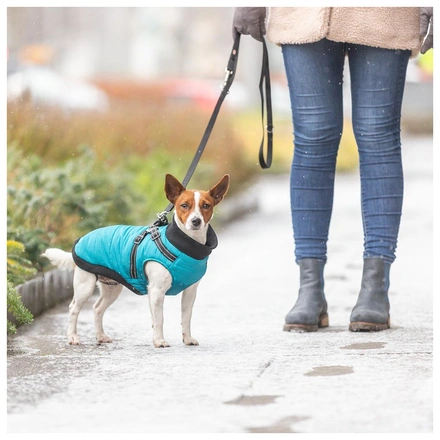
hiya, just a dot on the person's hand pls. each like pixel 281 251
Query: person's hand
pixel 426 21
pixel 250 21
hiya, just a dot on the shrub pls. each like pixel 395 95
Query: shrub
pixel 18 266
pixel 55 205
pixel 18 271
pixel 17 309
pixel 130 129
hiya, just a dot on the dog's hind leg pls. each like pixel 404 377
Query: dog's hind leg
pixel 108 295
pixel 188 298
pixel 84 284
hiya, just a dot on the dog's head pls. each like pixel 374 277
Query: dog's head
pixel 194 208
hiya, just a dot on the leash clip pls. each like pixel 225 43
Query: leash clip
pixel 162 219
pixel 228 73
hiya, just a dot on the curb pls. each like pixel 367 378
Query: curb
pixel 45 291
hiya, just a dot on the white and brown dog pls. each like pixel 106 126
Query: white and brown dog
pixel 155 260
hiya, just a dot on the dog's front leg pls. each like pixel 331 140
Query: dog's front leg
pixel 159 281
pixel 156 307
pixel 188 298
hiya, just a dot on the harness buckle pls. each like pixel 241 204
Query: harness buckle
pixel 154 232
pixel 140 237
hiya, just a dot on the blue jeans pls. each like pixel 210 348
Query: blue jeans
pixel 315 74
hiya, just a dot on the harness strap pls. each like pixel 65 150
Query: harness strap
pixel 137 241
pixel 155 236
pixel 229 78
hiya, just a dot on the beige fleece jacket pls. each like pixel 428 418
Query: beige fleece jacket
pixel 389 28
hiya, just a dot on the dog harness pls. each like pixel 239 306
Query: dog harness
pixel 120 252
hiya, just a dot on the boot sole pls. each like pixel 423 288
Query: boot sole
pixel 368 326
pixel 303 328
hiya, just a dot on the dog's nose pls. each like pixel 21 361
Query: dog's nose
pixel 196 221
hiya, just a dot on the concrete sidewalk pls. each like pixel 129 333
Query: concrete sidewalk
pixel 247 375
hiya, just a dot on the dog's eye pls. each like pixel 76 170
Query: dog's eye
pixel 184 206
pixel 206 206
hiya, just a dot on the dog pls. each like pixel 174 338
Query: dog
pixel 155 260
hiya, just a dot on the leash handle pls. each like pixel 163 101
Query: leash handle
pixel 265 92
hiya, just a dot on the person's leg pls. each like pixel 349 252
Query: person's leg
pixel 377 85
pixel 314 73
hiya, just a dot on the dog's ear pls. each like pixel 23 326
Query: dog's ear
pixel 217 192
pixel 173 188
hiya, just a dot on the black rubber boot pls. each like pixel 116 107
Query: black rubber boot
pixel 310 310
pixel 372 310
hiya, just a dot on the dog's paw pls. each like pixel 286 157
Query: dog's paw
pixel 73 340
pixel 161 343
pixel 103 339
pixel 189 341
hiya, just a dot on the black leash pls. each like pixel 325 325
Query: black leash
pixel 265 81
pixel 266 97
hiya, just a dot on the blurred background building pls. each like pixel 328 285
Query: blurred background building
pixel 136 44
pixel 66 45
pixel 124 42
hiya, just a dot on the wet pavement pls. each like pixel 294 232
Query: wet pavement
pixel 247 375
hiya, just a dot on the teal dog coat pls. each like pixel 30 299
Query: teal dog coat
pixel 120 252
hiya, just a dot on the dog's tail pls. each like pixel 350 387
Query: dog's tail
pixel 59 258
